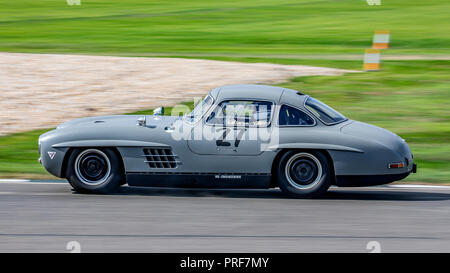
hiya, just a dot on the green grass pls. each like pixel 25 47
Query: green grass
pixel 19 155
pixel 209 27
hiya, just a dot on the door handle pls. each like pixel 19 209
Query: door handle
pixel 220 142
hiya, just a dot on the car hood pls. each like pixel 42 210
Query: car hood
pixel 118 120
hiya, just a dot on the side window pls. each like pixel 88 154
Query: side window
pixel 241 113
pixel 292 116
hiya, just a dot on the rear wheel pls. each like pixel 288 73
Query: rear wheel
pixel 94 170
pixel 304 174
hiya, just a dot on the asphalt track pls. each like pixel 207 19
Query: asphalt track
pixel 45 216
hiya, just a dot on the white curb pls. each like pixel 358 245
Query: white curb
pixel 14 180
pixel 419 186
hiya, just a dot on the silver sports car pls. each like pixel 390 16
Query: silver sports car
pixel 239 136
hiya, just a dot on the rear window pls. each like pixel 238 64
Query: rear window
pixel 290 116
pixel 324 112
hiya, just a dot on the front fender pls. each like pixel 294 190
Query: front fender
pixel 53 155
pixel 52 159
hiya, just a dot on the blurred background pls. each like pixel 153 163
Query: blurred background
pixel 410 95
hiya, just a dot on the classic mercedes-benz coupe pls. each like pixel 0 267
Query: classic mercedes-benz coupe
pixel 239 136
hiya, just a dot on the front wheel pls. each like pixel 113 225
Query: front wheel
pixel 94 170
pixel 304 174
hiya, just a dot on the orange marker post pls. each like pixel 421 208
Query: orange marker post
pixel 372 59
pixel 381 39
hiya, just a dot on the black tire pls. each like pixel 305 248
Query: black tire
pixel 304 174
pixel 94 170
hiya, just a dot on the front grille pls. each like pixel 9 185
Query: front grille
pixel 161 158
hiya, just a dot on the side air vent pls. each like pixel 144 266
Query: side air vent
pixel 161 158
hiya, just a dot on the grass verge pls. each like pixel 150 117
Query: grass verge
pixel 205 27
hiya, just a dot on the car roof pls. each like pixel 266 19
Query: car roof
pixel 250 91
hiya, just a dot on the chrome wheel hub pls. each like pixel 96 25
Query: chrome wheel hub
pixel 92 167
pixel 303 171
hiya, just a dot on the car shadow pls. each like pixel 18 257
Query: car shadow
pixel 372 194
pixel 387 194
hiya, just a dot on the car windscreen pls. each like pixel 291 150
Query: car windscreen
pixel 324 112
pixel 200 109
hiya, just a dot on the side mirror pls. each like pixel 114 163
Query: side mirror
pixel 158 111
pixel 142 121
